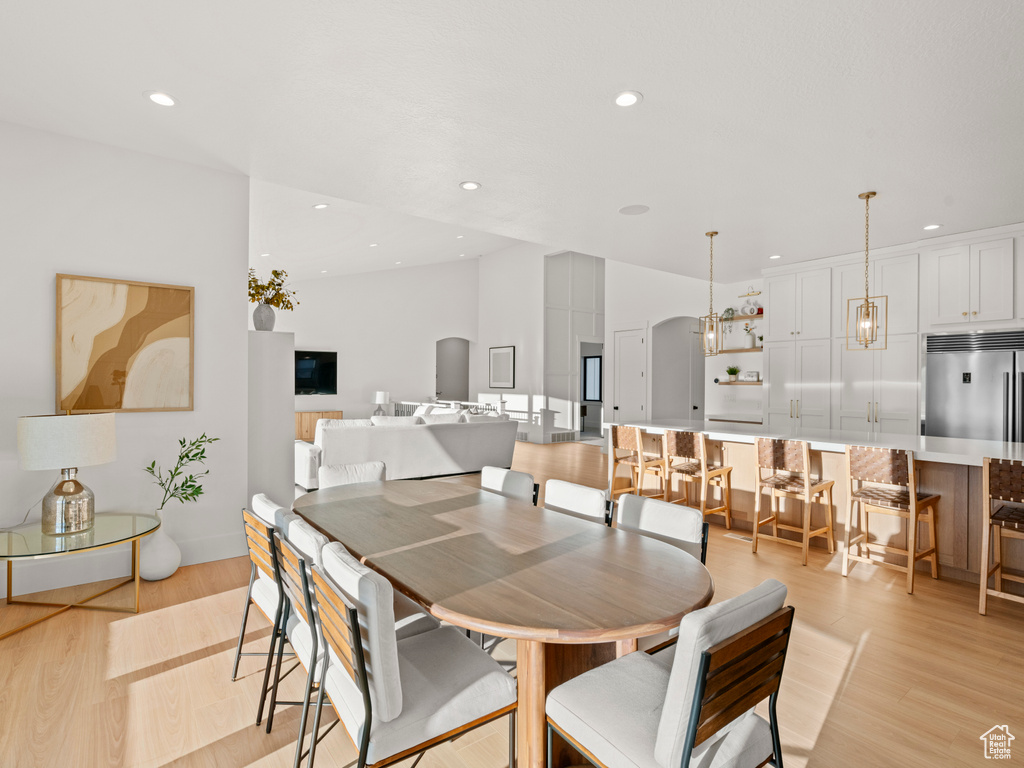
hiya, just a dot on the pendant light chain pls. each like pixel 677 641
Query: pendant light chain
pixel 711 277
pixel 867 228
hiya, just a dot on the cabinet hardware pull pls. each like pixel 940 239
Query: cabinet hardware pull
pixel 974 313
pixel 798 409
pixel 964 314
pixel 791 409
pixel 876 413
pixel 869 411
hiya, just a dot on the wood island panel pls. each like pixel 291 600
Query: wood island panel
pixel 305 422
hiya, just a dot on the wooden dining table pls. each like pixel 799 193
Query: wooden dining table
pixel 572 593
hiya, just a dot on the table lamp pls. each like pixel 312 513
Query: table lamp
pixel 67 443
pixel 380 399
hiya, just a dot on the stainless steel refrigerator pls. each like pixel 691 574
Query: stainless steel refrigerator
pixel 974 386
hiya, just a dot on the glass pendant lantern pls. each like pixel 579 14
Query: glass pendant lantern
pixel 867 319
pixel 711 323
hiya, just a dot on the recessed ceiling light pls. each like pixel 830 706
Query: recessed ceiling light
pixel 320 206
pixel 163 99
pixel 461 255
pixel 933 226
pixel 470 185
pixel 323 271
pixel 628 98
pixel 264 255
pixel 775 256
pixel 459 237
pixel 634 210
pixel 373 245
pixel 398 262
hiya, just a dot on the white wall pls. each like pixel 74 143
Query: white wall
pixel 511 314
pixel 384 327
pixel 83 208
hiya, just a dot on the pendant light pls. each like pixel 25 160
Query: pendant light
pixel 711 324
pixel 867 319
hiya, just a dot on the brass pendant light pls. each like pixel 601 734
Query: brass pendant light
pixel 711 324
pixel 867 319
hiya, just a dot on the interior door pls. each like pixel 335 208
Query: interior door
pixel 452 369
pixel 814 384
pixel 630 375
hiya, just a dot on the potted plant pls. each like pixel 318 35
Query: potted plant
pixel 273 293
pixel 733 371
pixel 760 341
pixel 160 556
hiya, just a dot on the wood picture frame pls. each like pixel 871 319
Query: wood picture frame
pixel 124 345
pixel 501 368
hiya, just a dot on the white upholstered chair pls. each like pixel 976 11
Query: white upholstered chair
pixel 344 474
pixel 398 697
pixel 683 527
pixel 508 482
pixel 579 500
pixel 690 707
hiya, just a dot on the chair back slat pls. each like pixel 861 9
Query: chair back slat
pixel 340 623
pixel 780 455
pixel 294 580
pixel 258 540
pixel 741 671
pixel 879 465
pixel 626 438
pixel 683 445
pixel 1006 480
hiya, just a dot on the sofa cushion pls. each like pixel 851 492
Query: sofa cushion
pixel 474 418
pixel 346 474
pixel 395 421
pixel 322 424
pixel 422 410
pixel 443 411
pixel 442 418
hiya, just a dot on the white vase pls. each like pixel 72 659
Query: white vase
pixel 159 556
pixel 749 341
pixel 263 317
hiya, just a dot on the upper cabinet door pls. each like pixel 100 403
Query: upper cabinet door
pixel 847 283
pixel 992 281
pixel 948 285
pixel 814 304
pixel 780 308
pixel 897 279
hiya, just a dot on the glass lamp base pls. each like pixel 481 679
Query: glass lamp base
pixel 69 507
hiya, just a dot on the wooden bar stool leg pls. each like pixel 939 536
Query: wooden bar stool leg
pixel 728 499
pixel 864 519
pixel 998 546
pixel 776 505
pixel 805 514
pixel 757 517
pixel 932 511
pixel 986 529
pixel 846 538
pixel 912 521
pixel 828 521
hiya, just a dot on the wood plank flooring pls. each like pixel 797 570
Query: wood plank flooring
pixel 875 677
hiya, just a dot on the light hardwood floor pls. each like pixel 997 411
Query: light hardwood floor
pixel 875 677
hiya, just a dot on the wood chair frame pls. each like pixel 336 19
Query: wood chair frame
pixel 640 465
pixel 821 490
pixel 339 629
pixel 913 515
pixel 259 539
pixel 734 676
pixel 1003 480
pixel 709 476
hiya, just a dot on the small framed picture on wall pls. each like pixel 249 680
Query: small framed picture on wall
pixel 502 368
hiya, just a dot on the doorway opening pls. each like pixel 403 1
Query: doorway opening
pixel 451 372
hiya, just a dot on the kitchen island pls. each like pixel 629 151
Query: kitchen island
pixel 948 466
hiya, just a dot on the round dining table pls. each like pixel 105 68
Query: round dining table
pixel 573 593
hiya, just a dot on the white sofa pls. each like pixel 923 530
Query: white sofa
pixel 408 447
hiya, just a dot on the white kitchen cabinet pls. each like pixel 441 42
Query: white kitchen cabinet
pixel 968 284
pixel 876 391
pixel 797 382
pixel 896 278
pixel 798 306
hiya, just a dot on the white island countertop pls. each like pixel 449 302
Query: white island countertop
pixel 945 450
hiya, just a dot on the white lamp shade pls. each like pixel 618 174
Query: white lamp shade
pixel 60 442
pixel 381 398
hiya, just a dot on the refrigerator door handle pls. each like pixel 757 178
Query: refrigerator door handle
pixel 1007 407
pixel 1018 422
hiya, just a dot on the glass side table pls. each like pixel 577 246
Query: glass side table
pixel 28 542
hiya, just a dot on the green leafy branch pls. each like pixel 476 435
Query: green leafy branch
pixel 176 484
pixel 273 292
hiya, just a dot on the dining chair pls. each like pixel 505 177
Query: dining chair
pixel 1003 481
pixel 344 474
pixel 690 707
pixel 686 455
pixel 884 481
pixel 642 455
pixel 508 482
pixel 398 697
pixel 681 526
pixel 788 464
pixel 579 500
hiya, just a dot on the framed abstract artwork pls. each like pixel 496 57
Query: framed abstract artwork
pixel 124 345
pixel 502 368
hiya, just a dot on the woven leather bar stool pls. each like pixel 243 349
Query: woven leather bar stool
pixel 643 457
pixel 884 481
pixel 788 463
pixel 1004 481
pixel 686 454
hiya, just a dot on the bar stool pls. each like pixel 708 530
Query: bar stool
pixel 686 455
pixel 1004 481
pixel 789 465
pixel 884 481
pixel 642 459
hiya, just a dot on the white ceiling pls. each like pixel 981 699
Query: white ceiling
pixel 763 120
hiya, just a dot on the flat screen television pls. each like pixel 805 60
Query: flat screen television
pixel 316 373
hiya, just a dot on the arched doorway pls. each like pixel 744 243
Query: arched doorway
pixel 677 370
pixel 451 379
